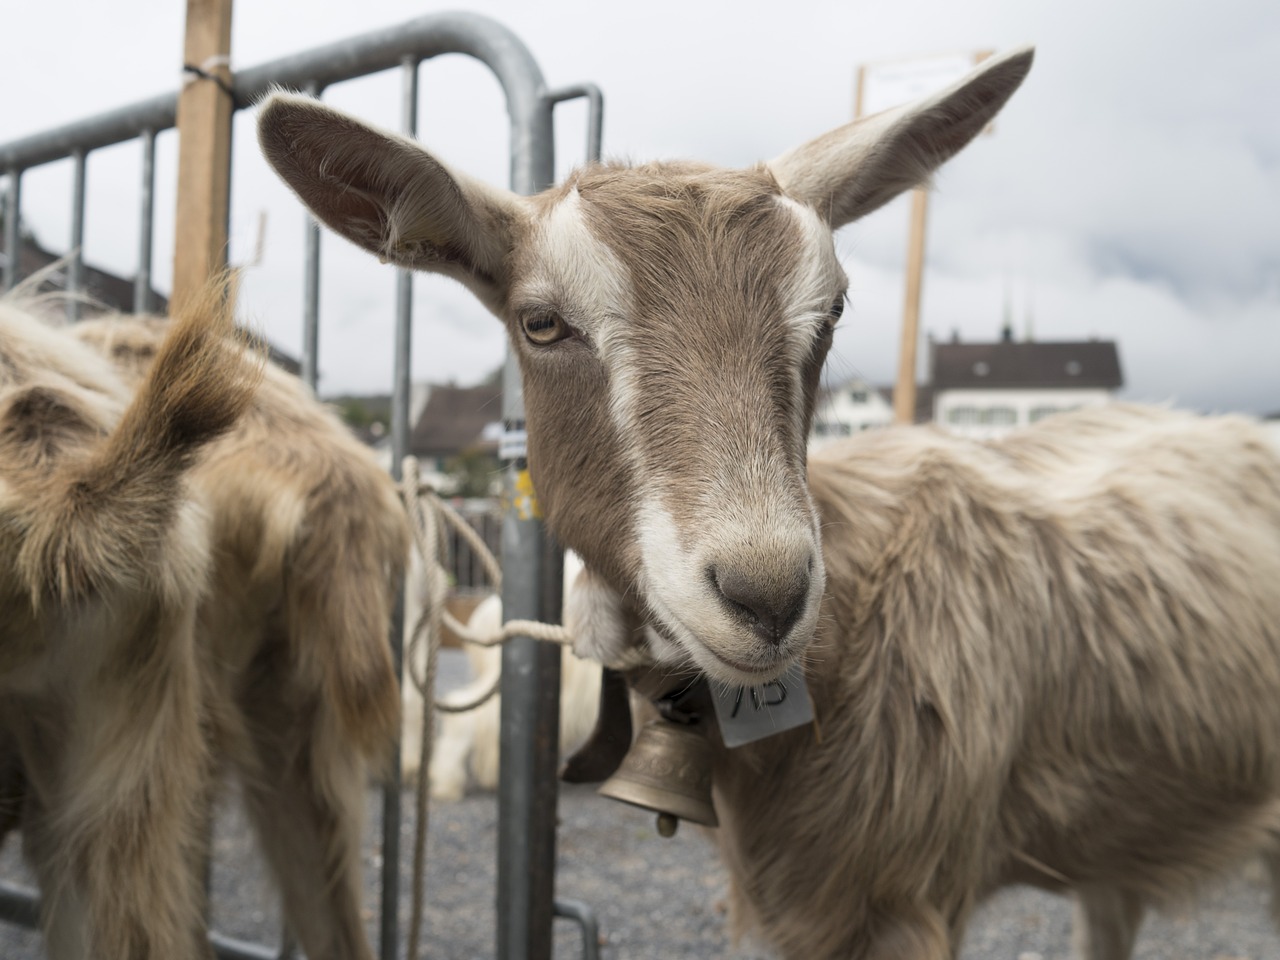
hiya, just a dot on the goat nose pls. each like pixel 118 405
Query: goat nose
pixel 769 608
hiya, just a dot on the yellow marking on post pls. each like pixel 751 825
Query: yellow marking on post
pixel 526 503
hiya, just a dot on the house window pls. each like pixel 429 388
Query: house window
pixel 962 415
pixel 1039 413
pixel 1000 416
pixel 858 396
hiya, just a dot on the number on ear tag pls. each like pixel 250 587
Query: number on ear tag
pixel 747 714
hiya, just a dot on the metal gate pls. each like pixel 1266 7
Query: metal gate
pixel 532 588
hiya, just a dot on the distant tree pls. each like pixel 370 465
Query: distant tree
pixel 475 472
pixel 364 415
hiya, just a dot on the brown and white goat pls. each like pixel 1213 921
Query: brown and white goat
pixel 310 541
pixel 104 557
pixel 1054 659
pixel 670 321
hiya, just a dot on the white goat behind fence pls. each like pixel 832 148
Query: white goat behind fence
pixel 466 748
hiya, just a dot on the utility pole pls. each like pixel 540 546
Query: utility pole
pixel 883 87
pixel 205 106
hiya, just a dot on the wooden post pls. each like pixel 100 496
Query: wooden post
pixel 904 393
pixel 204 148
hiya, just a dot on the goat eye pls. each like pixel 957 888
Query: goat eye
pixel 837 309
pixel 544 328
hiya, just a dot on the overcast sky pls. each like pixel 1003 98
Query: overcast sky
pixel 1131 189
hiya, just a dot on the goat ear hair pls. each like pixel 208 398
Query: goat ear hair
pixel 388 195
pixel 852 170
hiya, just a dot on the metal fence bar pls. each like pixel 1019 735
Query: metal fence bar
pixel 402 387
pixel 582 914
pixel 75 264
pixel 527 786
pixel 146 225
pixel 311 291
pixel 595 112
pixel 228 948
pixel 12 233
pixel 19 905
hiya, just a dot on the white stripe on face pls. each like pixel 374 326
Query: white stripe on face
pixel 575 273
pixel 809 291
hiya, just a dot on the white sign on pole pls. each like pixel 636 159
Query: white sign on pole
pixel 891 84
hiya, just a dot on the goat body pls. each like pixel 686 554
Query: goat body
pixel 1053 659
pixel 103 561
pixel 309 542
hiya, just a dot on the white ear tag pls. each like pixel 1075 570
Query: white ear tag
pixel 747 714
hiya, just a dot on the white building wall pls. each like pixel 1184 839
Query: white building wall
pixel 991 413
pixel 849 409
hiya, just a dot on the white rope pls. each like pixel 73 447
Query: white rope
pixel 429 516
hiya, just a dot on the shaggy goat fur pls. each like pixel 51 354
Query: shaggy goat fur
pixel 310 541
pixel 1052 659
pixel 104 556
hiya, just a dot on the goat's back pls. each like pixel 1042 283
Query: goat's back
pixel 312 540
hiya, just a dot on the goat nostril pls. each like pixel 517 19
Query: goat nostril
pixel 770 610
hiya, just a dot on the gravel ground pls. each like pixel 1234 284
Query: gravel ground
pixel 658 899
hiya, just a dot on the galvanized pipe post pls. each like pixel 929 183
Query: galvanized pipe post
pixel 146 225
pixel 401 385
pixel 12 231
pixel 75 265
pixel 531 587
pixel 311 290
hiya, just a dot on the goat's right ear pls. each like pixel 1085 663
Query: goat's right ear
pixel 852 170
pixel 387 194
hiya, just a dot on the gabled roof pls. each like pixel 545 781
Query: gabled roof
pixel 102 287
pixel 1092 364
pixel 113 292
pixel 454 419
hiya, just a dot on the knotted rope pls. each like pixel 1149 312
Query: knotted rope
pixel 429 518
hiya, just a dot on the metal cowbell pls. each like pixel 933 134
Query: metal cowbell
pixel 667 770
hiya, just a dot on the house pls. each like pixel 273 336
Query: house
pixel 848 408
pixel 988 389
pixel 107 290
pixel 844 409
pixel 455 436
pixel 102 288
pixel 1271 423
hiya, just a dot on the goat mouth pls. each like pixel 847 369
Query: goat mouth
pixel 753 673
pixel 674 633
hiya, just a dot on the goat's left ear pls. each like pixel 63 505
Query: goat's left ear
pixel 387 194
pixel 852 170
